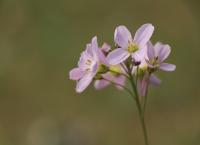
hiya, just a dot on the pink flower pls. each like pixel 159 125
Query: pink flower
pixel 156 56
pixel 143 76
pixel 88 66
pixel 129 46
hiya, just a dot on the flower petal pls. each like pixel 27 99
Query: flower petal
pixel 142 86
pixel 97 52
pixel 150 50
pixel 143 34
pixel 76 74
pixel 95 49
pixel 154 80
pixel 122 36
pixel 102 57
pixel 117 56
pixel 88 50
pixel 84 82
pixel 119 80
pixel 100 84
pixel 140 55
pixel 167 67
pixel 162 51
pixel 105 47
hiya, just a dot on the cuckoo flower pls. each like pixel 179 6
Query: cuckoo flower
pixel 88 66
pixel 156 55
pixel 129 46
pixel 144 78
pixel 134 58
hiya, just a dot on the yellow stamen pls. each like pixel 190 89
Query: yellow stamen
pixel 132 47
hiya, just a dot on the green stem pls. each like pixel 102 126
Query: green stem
pixel 140 111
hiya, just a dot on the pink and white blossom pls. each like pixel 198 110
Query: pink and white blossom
pixel 88 65
pixel 127 45
pixel 157 54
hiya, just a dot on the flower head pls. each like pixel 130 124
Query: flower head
pixel 129 46
pixel 90 63
pixel 156 56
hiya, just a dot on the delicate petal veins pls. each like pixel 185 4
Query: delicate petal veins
pixel 84 82
pixel 167 67
pixel 95 49
pixel 117 56
pixel 122 36
pixel 76 74
pixel 143 34
pixel 150 51
pixel 162 51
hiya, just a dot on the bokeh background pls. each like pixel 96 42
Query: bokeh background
pixel 41 40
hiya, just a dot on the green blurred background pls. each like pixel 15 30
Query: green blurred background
pixel 41 40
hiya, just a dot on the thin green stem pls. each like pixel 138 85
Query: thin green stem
pixel 124 67
pixel 140 110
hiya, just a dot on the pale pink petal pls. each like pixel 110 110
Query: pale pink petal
pixel 88 49
pixel 107 76
pixel 100 84
pixel 105 47
pixel 84 57
pixel 143 34
pixel 162 51
pixel 140 55
pixel 120 80
pixel 167 67
pixel 76 74
pixel 154 80
pixel 150 50
pixel 84 82
pixel 142 86
pixel 122 36
pixel 94 67
pixel 117 56
pixel 102 57
pixel 97 52
pixel 95 49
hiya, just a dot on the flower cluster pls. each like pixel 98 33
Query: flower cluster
pixel 132 57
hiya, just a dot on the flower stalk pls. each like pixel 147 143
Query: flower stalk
pixel 139 106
